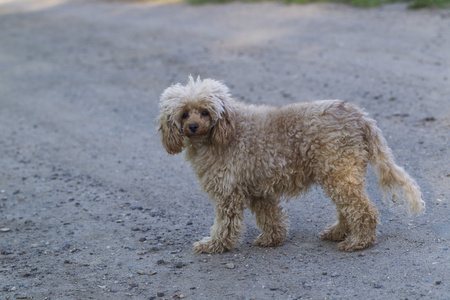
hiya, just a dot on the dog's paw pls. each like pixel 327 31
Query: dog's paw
pixel 350 245
pixel 264 240
pixel 207 245
pixel 333 234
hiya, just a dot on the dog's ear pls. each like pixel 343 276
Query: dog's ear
pixel 223 130
pixel 171 138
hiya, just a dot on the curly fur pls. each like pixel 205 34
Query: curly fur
pixel 254 156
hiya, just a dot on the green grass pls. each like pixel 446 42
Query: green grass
pixel 360 3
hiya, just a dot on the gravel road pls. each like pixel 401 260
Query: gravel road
pixel 92 207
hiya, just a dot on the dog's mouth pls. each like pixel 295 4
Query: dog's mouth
pixel 196 136
pixel 195 132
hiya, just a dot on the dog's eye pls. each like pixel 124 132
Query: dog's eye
pixel 205 113
pixel 185 115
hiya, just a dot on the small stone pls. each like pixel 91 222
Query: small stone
pixel 324 273
pixel 161 262
pixel 142 239
pixel 21 296
pixel 119 221
pixel 16 192
pixel 152 273
pixel 399 114
pixel 134 228
pixel 230 266
pixel 141 272
pixel 160 294
pixel 179 265
pixel 5 229
pixel 7 252
pixel 335 274
pixel 361 254
pixel 438 282
pixel 377 286
pixel 429 119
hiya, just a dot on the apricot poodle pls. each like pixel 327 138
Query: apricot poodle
pixel 255 156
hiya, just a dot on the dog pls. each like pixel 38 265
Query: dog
pixel 248 156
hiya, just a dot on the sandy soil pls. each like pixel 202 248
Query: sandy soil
pixel 91 206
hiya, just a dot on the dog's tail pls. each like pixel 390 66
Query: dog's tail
pixel 391 176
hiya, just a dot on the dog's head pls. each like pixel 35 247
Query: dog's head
pixel 199 111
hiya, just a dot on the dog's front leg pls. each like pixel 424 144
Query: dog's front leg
pixel 228 224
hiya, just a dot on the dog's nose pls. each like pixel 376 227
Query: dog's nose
pixel 193 127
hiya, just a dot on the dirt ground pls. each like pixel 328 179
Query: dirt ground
pixel 92 207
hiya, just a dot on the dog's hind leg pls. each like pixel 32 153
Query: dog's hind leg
pixel 271 220
pixel 228 224
pixel 358 215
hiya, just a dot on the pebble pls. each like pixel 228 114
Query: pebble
pixel 142 239
pixel 335 274
pixel 141 272
pixel 135 229
pixel 377 286
pixel 5 229
pixel 160 294
pixel 429 119
pixel 161 262
pixel 230 266
pixel 179 265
